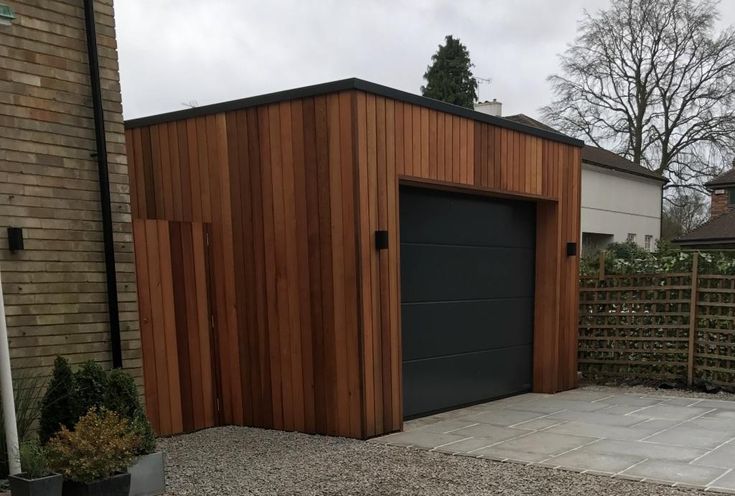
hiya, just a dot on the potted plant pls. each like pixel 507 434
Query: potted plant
pixel 94 457
pixel 36 478
pixel 147 473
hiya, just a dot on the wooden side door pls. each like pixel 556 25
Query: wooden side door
pixel 176 325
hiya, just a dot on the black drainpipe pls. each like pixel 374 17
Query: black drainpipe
pixel 104 180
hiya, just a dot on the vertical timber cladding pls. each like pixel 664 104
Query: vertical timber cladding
pixel 402 142
pixel 277 184
pixel 171 260
pixel 294 185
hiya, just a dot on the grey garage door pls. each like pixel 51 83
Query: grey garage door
pixel 467 282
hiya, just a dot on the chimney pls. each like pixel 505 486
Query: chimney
pixel 494 108
pixel 720 202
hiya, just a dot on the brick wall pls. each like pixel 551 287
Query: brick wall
pixel 55 291
pixel 719 203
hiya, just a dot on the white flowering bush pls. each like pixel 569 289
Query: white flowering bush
pixel 629 258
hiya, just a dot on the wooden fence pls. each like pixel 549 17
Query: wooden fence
pixel 668 326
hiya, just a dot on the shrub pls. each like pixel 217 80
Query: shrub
pixel 102 445
pixel 33 460
pixel 142 427
pixel 122 397
pixel 94 388
pixel 59 406
pixel 91 384
pixel 629 258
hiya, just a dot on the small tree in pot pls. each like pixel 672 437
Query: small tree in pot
pixel 147 472
pixel 94 457
pixel 36 479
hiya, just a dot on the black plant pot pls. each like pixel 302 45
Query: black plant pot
pixel 117 485
pixel 44 486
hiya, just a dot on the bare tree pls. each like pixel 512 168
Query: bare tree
pixel 652 80
pixel 685 211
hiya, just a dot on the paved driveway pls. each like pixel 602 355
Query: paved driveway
pixel 677 441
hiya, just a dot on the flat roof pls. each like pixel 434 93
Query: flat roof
pixel 350 84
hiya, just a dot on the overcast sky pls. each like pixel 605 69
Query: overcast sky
pixel 178 51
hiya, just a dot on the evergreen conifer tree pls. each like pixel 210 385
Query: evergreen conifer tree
pixel 449 78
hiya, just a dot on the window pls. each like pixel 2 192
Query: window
pixel 731 196
pixel 649 239
pixel 631 238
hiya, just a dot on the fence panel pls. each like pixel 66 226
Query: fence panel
pixel 634 326
pixel 658 326
pixel 714 351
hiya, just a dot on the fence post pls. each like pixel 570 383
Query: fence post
pixel 601 270
pixel 693 317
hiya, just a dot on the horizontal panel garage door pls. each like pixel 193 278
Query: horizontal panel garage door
pixel 467 283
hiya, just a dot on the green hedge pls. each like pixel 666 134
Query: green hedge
pixel 629 258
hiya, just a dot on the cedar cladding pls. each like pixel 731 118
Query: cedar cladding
pixel 306 311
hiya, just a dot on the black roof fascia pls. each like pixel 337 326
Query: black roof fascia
pixel 342 85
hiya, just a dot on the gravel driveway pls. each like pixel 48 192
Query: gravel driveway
pixel 244 461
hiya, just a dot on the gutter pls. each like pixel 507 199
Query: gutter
pixel 104 182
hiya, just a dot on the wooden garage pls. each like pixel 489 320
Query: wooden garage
pixel 282 239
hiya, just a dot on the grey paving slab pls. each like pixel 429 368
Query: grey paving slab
pixel 539 424
pixel 690 437
pixel 669 471
pixel 680 401
pixel 621 409
pixel 599 417
pixel 715 424
pixel 598 431
pixel 719 404
pixel 504 417
pixel 722 414
pixel 682 441
pixel 499 453
pixel 672 412
pixel 421 439
pixel 448 426
pixel 489 431
pixel 645 450
pixel 722 457
pixel 630 400
pixel 466 445
pixel 583 395
pixel 551 405
pixel 547 443
pixel 726 482
pixel 651 426
pixel 597 462
pixel 515 400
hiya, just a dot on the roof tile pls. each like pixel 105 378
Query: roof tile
pixel 719 228
pixel 595 155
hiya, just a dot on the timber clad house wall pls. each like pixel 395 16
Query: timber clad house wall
pixel 277 285
pixel 55 292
